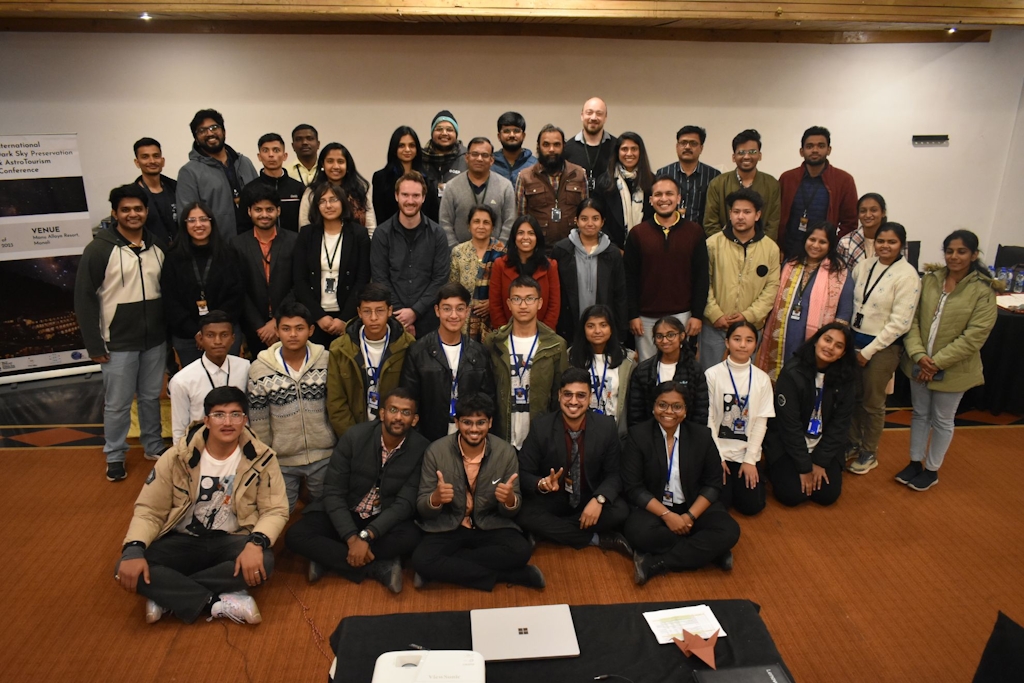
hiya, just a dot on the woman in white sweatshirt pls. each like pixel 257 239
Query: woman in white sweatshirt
pixel 741 400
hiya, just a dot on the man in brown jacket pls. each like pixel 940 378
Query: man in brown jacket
pixel 551 190
pixel 206 518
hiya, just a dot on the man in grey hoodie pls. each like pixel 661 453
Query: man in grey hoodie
pixel 215 174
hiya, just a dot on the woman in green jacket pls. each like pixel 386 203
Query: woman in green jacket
pixel 943 352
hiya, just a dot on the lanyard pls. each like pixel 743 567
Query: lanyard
pixel 671 459
pixel 803 285
pixel 867 292
pixel 522 367
pixel 374 371
pixel 280 352
pixel 455 370
pixel 599 388
pixel 201 280
pixel 333 255
pixel 478 197
pixel 742 403
pixel 228 383
pixel 803 195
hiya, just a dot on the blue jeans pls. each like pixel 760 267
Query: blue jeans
pixel 126 375
pixel 934 412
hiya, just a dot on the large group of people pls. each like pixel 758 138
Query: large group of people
pixel 482 349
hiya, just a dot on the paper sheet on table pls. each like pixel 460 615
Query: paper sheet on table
pixel 1009 301
pixel 669 623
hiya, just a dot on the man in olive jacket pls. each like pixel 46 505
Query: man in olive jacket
pixel 468 496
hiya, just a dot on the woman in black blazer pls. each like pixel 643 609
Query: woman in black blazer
pixel 814 398
pixel 330 264
pixel 604 283
pixel 672 475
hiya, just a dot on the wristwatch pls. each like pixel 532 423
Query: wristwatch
pixel 600 499
pixel 364 535
pixel 259 539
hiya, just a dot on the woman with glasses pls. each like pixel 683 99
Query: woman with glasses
pixel 337 167
pixel 599 351
pixel 331 263
pixel 403 156
pixel 672 475
pixel 814 400
pixel 191 286
pixel 472 262
pixel 674 362
pixel 625 188
pixel 525 257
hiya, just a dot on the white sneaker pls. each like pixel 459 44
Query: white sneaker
pixel 238 607
pixel 154 612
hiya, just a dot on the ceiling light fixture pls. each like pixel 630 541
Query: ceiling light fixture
pixel 951 30
pixel 145 16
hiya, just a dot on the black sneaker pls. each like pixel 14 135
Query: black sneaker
pixel 724 561
pixel 530 576
pixel 387 572
pixel 315 572
pixel 907 474
pixel 116 471
pixel 924 481
pixel 641 567
pixel 615 541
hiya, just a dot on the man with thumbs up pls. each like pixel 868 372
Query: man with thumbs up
pixel 579 503
pixel 468 497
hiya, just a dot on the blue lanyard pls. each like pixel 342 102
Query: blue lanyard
pixel 374 371
pixel 671 459
pixel 742 403
pixel 522 367
pixel 288 370
pixel 599 388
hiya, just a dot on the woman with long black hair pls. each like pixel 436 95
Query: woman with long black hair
pixel 337 167
pixel 403 156
pixel 625 188
pixel 597 349
pixel 526 256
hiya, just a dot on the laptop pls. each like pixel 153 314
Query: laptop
pixel 513 633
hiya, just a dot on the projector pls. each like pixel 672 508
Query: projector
pixel 429 666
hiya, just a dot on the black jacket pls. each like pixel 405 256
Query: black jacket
pixel 427 375
pixel 384 203
pixel 355 468
pixel 611 287
pixel 645 463
pixel 544 450
pixel 290 191
pixel 614 219
pixel 794 401
pixel 353 269
pixel 180 288
pixel 162 218
pixel 645 381
pixel 261 298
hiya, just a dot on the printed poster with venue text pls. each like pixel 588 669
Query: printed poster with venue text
pixel 44 226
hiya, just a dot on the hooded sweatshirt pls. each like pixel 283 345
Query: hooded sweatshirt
pixel 586 267
pixel 205 179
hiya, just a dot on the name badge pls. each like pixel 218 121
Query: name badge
pixel 201 305
pixel 520 397
pixel 591 183
pixel 795 313
pixel 666 497
pixel 858 320
pixel 567 484
pixel 451 410
pixel 372 400
pixel 556 214
pixel 440 190
pixel 814 427
pixel 739 426
pixel 803 222
pixel 330 285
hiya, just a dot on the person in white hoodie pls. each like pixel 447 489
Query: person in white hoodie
pixel 741 401
pixel 288 397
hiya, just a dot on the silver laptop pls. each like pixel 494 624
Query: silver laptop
pixel 511 633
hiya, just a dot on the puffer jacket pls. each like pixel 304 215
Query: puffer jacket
pixel 645 380
pixel 744 277
pixel 967 319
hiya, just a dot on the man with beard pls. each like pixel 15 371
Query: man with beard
pixel 692 176
pixel 215 174
pixel 289 191
pixel 513 158
pixel 551 189
pixel 746 153
pixel 162 220
pixel 813 192
pixel 444 157
pixel 477 187
pixel 409 253
pixel 593 147
pixel 362 526
pixel 666 264
pixel 306 144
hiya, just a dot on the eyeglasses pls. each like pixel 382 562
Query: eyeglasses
pixel 227 417
pixel 669 336
pixel 747 152
pixel 511 131
pixel 470 422
pixel 689 143
pixel 518 300
pixel 192 220
pixel 670 407
pixel 404 411
pixel 478 155
pixel 578 395
pixel 208 129
pixel 328 201
pixel 448 310
pixel 445 129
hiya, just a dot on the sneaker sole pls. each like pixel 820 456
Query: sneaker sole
pixel 121 478
pixel 916 488
pixel 147 456
pixel 905 482
pixel 867 468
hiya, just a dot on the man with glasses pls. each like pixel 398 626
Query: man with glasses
pixel 477 187
pixel 513 158
pixel 446 364
pixel 198 553
pixel 692 175
pixel 746 153
pixel 593 146
pixel 528 359
pixel 363 526
pixel 569 472
pixel 666 265
pixel 215 174
pixel 288 394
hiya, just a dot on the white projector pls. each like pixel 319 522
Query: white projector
pixel 429 666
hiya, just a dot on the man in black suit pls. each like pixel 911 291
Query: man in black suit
pixel 265 254
pixel 569 473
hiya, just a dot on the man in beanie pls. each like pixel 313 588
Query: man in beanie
pixel 444 157
pixel 215 175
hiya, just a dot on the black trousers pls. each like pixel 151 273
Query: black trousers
pixel 714 533
pixel 736 495
pixel 315 537
pixel 186 571
pixel 552 518
pixel 786 483
pixel 471 557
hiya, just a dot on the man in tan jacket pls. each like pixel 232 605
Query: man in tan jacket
pixel 206 518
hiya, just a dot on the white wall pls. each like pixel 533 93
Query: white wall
pixel 1008 223
pixel 113 89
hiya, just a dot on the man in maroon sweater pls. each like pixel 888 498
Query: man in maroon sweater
pixel 815 191
pixel 666 264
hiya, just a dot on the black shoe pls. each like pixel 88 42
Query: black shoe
pixel 315 572
pixel 116 471
pixel 418 581
pixel 724 561
pixel 529 576
pixel 615 541
pixel 387 572
pixel 533 541
pixel 641 568
pixel 907 474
